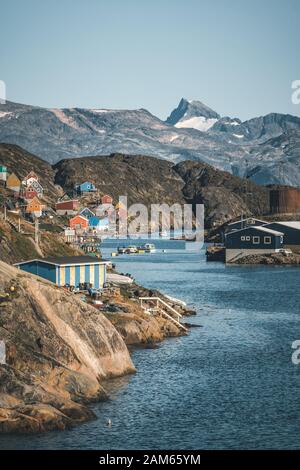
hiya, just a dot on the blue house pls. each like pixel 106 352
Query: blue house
pixel 252 240
pixel 291 232
pixel 86 212
pixel 68 270
pixel 98 224
pixel 86 187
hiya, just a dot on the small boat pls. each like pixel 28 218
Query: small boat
pixel 131 249
pixel 149 248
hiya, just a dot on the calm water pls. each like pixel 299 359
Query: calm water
pixel 229 384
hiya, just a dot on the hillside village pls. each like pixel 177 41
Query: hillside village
pixel 65 209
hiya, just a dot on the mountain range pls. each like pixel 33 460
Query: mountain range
pixel 265 149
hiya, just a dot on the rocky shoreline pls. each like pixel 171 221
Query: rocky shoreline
pixel 271 259
pixel 60 350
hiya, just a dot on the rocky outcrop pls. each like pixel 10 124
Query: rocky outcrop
pixel 271 259
pixel 58 352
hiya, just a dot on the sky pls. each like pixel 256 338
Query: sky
pixel 239 57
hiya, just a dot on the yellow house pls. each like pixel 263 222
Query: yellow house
pixel 13 182
pixel 35 207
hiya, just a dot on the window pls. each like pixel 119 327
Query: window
pixel 242 239
pixel 267 240
pixel 256 240
pixel 248 239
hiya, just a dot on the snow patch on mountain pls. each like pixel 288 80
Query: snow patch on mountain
pixel 200 123
pixel 4 114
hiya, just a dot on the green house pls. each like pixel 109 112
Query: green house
pixel 3 173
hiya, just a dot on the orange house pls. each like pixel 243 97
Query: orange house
pixel 79 222
pixel 106 199
pixel 35 207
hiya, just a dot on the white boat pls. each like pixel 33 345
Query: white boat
pixel 131 249
pixel 149 248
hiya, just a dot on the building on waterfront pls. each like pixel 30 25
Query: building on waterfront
pixel 68 270
pixel 256 240
pixel 243 223
pixel 291 232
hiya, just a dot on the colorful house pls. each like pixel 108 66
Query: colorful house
pixel 79 222
pixel 106 199
pixel 68 270
pixel 67 207
pixel 30 193
pixel 38 187
pixel 104 209
pixel 35 207
pixel 13 182
pixel 98 224
pixel 27 181
pixel 3 173
pixel 86 187
pixel 86 212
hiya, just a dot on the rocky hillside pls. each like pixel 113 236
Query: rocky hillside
pixel 193 131
pixel 148 180
pixel 58 352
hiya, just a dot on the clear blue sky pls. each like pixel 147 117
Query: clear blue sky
pixel 237 56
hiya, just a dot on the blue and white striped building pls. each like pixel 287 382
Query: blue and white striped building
pixel 68 270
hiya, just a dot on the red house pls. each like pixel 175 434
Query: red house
pixel 69 207
pixel 106 199
pixel 30 193
pixel 79 222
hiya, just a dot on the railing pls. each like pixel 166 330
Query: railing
pixel 160 308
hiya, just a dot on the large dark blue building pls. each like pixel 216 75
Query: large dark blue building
pixel 291 232
pixel 252 240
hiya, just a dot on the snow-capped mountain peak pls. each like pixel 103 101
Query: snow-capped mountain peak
pixel 193 114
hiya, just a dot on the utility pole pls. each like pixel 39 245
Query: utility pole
pixel 36 231
pixel 19 224
pixel 4 211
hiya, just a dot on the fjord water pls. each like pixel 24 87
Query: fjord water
pixel 229 384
